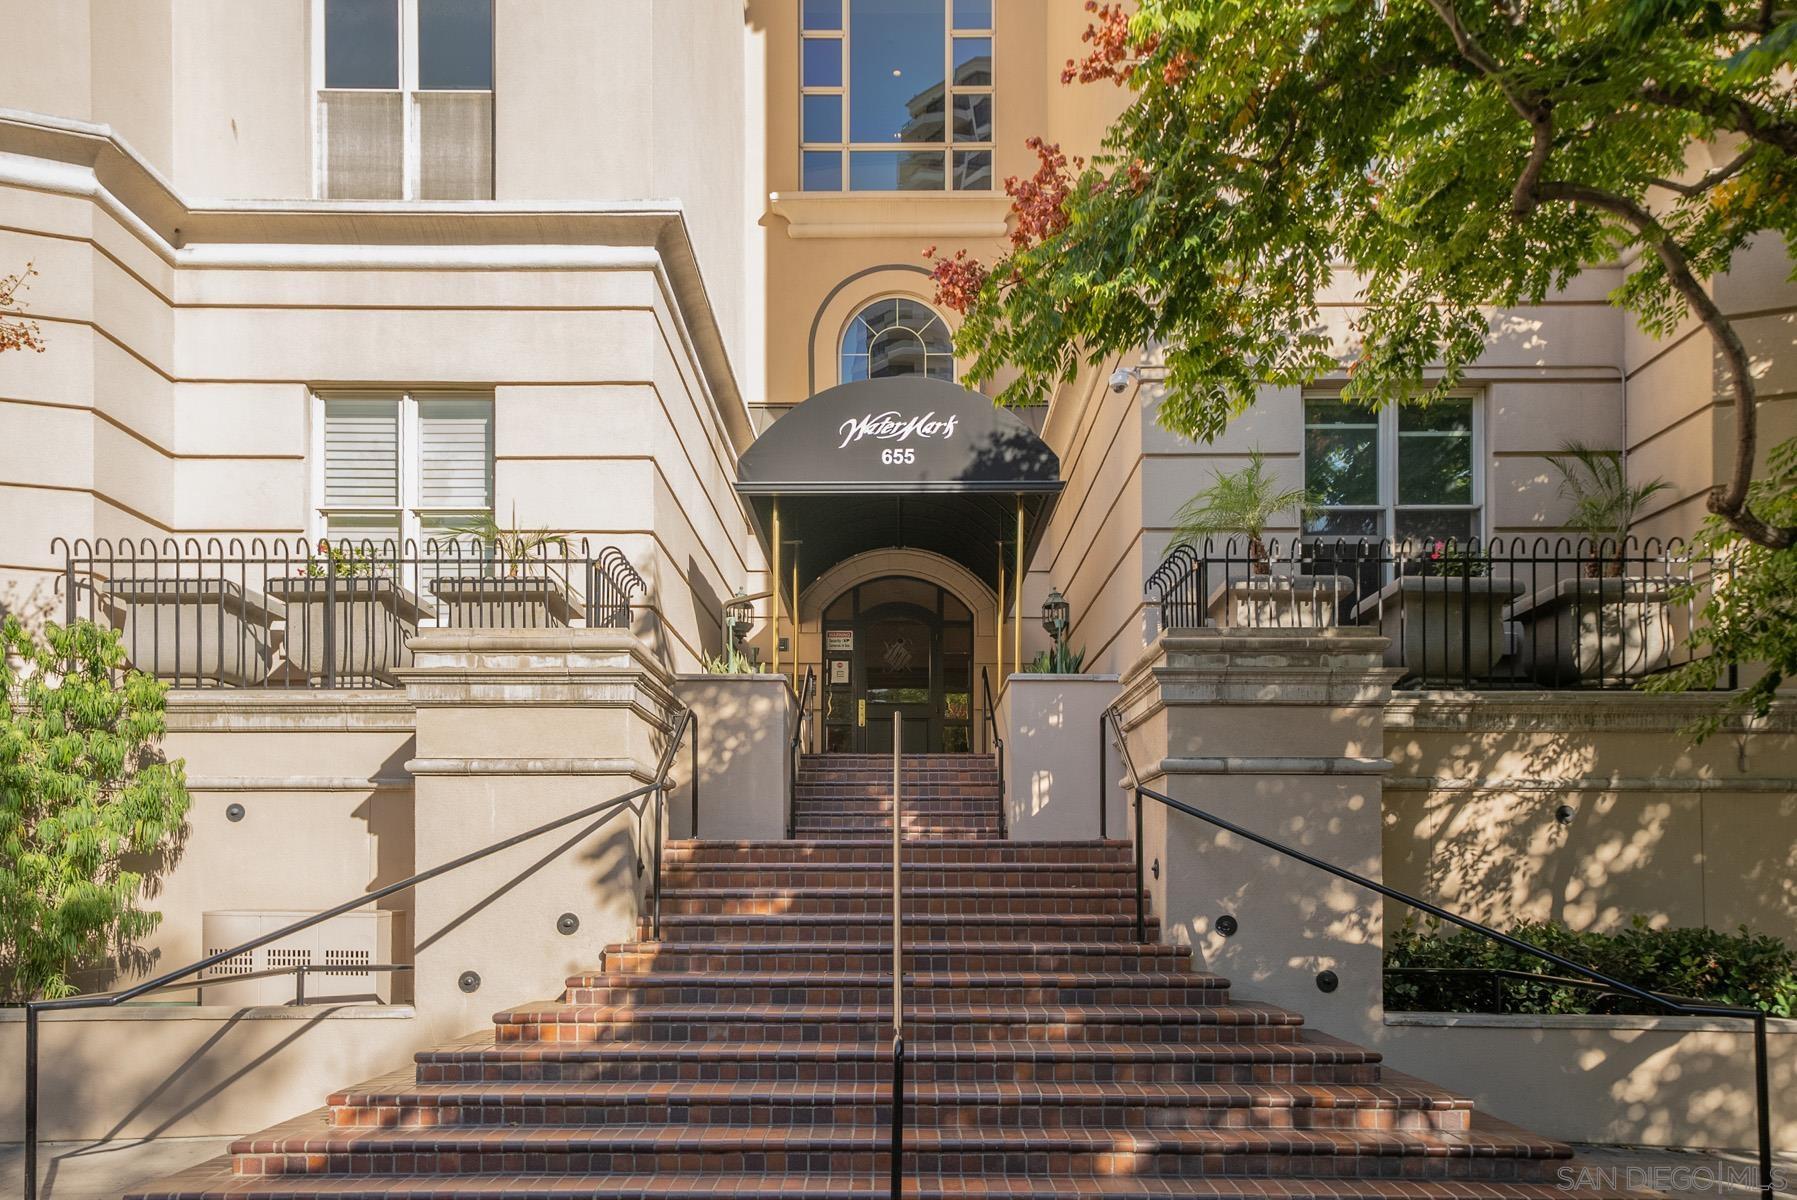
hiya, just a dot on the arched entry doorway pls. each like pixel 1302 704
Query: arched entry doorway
pixel 897 644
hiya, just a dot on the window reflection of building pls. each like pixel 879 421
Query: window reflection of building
pixel 896 336
pixel 896 95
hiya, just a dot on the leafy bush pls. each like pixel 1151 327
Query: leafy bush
pixel 86 806
pixel 1754 970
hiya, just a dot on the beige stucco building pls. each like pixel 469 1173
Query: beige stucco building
pixel 310 270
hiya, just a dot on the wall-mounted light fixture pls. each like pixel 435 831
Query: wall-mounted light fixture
pixel 1056 616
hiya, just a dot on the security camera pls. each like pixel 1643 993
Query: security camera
pixel 1120 379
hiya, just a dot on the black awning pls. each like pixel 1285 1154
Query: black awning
pixel 911 462
pixel 903 436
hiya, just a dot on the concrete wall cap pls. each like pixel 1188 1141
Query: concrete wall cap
pixel 224 1013
pixel 1781 1026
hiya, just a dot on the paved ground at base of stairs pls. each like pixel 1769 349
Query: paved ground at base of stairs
pixel 104 1170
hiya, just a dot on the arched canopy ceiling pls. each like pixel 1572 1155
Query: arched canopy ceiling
pixel 905 461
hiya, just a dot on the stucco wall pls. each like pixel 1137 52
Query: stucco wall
pixel 1662 829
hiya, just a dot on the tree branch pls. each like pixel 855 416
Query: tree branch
pixel 1700 186
pixel 1728 501
pixel 1728 112
pixel 1529 108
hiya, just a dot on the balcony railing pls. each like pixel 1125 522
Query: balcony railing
pixel 1505 613
pixel 275 614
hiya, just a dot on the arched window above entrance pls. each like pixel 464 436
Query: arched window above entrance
pixel 896 336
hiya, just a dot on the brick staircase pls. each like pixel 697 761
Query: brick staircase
pixel 747 1053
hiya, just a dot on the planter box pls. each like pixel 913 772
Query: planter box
pixel 194 629
pixel 1279 601
pixel 370 620
pixel 502 602
pixel 1581 630
pixel 1441 627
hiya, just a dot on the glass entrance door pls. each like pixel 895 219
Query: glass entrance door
pixel 897 645
pixel 900 648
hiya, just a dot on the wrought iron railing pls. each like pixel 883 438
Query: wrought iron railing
pixel 637 801
pixel 272 613
pixel 1678 1005
pixel 998 753
pixel 796 750
pixel 1504 613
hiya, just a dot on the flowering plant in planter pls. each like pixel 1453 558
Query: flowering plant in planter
pixel 1451 559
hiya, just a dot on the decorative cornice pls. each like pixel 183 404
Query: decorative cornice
pixel 1594 711
pixel 1275 765
pixel 289 710
pixel 530 766
pixel 79 158
pixel 1551 785
pixel 952 215
pixel 297 783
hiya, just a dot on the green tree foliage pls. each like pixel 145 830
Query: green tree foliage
pixel 1453 156
pixel 86 805
pixel 1751 613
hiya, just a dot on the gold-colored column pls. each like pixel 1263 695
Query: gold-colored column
pixel 774 591
pixel 795 615
pixel 1017 595
pixel 1000 639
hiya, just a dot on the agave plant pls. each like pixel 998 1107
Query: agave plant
pixel 1245 502
pixel 1604 502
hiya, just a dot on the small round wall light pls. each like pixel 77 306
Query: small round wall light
pixel 1327 981
pixel 1564 814
pixel 1227 925
pixel 469 981
pixel 233 812
pixel 566 924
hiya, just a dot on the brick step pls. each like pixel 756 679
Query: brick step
pixel 862 806
pixel 396 1101
pixel 214 1181
pixel 918 901
pixel 873 850
pixel 634 958
pixel 921 929
pixel 856 831
pixel 806 825
pixel 924 875
pixel 1312 1058
pixel 880 792
pixel 874 988
pixel 307 1147
pixel 556 1021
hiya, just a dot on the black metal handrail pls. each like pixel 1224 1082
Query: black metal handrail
pixel 599 813
pixel 796 750
pixel 998 751
pixel 1671 1004
pixel 898 964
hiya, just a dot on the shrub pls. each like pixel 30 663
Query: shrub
pixel 87 806
pixel 1753 970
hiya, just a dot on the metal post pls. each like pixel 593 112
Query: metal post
pixel 898 965
pixel 1762 1095
pixel 30 1101
pixel 655 907
pixel 71 610
pixel 1017 599
pixel 1102 800
pixel 330 619
pixel 774 592
pixel 1001 614
pixel 299 985
pixel 1141 925
pixel 694 748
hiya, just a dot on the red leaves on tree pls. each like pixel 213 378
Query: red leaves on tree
pixel 1112 52
pixel 17 334
pixel 958 279
pixel 1040 202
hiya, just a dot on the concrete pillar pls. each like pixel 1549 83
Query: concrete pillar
pixel 516 728
pixel 1280 731
pixel 1050 727
pixel 745 757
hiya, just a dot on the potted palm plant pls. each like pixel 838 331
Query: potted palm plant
pixel 1605 624
pixel 509 582
pixel 1245 503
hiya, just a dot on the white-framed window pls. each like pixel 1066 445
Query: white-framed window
pixel 403 94
pixel 896 335
pixel 1404 472
pixel 895 95
pixel 400 465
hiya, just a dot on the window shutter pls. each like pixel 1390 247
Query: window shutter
pixel 361 453
pixel 455 460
